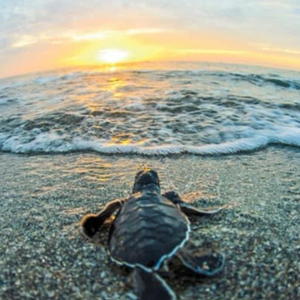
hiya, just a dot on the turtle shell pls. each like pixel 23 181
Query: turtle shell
pixel 147 230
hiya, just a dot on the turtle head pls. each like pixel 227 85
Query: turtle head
pixel 146 179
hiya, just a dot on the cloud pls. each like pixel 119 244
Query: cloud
pixel 92 36
pixel 278 50
pixel 209 51
pixel 137 31
pixel 255 19
pixel 24 41
pixel 29 40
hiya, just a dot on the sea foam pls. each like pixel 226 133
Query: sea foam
pixel 53 143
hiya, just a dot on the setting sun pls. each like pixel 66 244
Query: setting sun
pixel 112 56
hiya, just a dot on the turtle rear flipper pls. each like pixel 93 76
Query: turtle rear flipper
pixel 203 263
pixel 150 286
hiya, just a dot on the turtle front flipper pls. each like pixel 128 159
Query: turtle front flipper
pixel 91 223
pixel 150 286
pixel 189 209
pixel 204 263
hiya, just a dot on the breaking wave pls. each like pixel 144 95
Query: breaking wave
pixel 51 143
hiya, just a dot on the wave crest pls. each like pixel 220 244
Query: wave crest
pixel 52 143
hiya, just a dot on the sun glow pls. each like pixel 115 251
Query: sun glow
pixel 112 56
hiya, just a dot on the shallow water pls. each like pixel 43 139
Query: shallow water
pixel 150 109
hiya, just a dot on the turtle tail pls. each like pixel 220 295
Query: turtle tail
pixel 150 286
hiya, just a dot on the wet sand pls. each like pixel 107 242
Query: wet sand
pixel 42 199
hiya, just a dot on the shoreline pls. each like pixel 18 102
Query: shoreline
pixel 43 197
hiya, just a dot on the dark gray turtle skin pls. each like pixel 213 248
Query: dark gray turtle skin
pixel 148 230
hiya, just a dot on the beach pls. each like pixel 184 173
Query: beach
pixel 43 198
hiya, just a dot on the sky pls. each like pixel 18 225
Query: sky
pixel 47 34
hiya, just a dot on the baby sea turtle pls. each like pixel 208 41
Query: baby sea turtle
pixel 149 229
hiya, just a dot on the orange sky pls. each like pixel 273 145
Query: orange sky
pixel 52 34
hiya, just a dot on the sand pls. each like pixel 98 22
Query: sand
pixel 42 199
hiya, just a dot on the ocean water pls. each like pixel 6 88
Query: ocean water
pixel 151 109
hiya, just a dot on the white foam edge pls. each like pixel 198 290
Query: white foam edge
pixel 47 143
pixel 285 136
